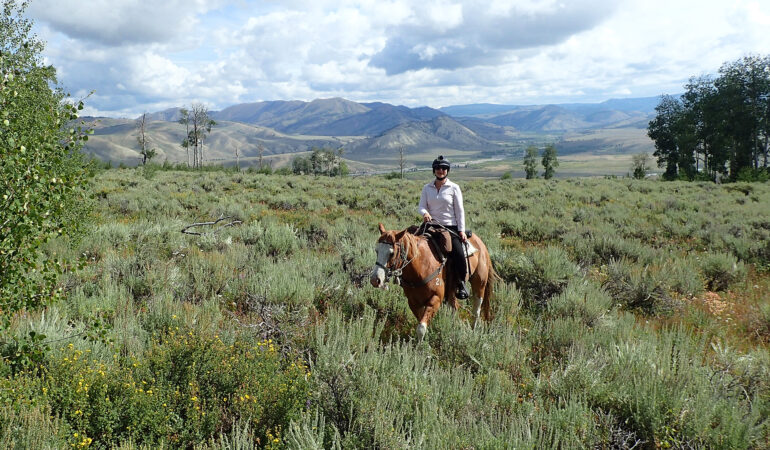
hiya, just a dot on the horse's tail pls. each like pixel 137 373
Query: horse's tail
pixel 492 277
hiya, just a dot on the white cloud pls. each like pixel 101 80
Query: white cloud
pixel 121 22
pixel 140 55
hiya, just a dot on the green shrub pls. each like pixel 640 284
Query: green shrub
pixel 597 250
pixel 33 427
pixel 538 228
pixel 721 270
pixel 749 174
pixel 558 367
pixel 279 240
pixel 642 288
pixel 760 321
pixel 684 276
pixel 312 431
pixel 582 300
pixel 186 388
pixel 457 345
pixel 539 273
pixel 660 388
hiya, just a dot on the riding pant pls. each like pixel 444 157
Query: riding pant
pixel 457 255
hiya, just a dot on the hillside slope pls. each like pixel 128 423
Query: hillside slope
pixel 373 132
pixel 115 140
pixel 438 134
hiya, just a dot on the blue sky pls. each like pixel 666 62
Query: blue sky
pixel 142 56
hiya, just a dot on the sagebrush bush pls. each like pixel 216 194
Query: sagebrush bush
pixel 538 273
pixel 684 275
pixel 601 249
pixel 560 365
pixel 641 288
pixel 583 300
pixel 721 270
pixel 34 427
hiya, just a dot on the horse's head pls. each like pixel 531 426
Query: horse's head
pixel 386 249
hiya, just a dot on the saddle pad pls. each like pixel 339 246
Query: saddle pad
pixel 470 249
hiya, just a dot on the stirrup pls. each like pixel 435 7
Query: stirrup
pixel 462 293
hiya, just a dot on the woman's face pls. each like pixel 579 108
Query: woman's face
pixel 440 172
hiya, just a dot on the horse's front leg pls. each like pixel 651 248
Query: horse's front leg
pixel 427 314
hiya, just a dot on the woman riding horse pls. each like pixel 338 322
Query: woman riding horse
pixel 441 201
pixel 410 260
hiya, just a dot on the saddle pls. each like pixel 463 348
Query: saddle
pixel 440 240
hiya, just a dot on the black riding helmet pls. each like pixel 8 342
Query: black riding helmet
pixel 440 162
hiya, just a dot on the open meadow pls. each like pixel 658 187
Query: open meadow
pixel 629 314
pixel 588 164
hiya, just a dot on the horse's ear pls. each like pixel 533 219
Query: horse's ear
pixel 382 228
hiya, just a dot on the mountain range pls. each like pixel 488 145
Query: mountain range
pixel 373 134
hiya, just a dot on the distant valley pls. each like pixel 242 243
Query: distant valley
pixel 372 135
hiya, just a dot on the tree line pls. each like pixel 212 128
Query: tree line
pixel 549 160
pixel 719 127
pixel 321 161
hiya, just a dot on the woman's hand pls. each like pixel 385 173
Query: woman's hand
pixel 426 217
pixel 463 237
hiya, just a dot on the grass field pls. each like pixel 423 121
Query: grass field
pixel 630 313
pixel 570 166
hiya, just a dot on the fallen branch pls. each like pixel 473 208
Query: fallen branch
pixel 202 224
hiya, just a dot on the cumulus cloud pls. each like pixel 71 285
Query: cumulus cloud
pixel 121 22
pixel 145 56
pixel 451 36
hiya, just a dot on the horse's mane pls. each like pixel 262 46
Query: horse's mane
pixel 411 243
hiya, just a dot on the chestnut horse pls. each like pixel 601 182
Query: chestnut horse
pixel 411 261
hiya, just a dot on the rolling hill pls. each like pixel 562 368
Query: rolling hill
pixel 115 140
pixel 373 132
pixel 430 136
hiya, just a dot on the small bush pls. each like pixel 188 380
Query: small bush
pixel 539 273
pixel 760 322
pixel 642 288
pixel 721 270
pixel 186 388
pixel 582 300
pixel 595 250
pixel 749 174
pixel 684 276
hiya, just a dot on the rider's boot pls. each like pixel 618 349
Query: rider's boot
pixel 462 293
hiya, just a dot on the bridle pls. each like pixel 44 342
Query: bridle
pixel 390 269
pixel 397 272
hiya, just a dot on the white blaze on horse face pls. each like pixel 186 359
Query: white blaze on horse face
pixel 384 252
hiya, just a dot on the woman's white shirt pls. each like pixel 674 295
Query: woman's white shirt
pixel 445 205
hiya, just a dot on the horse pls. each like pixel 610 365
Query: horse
pixel 424 277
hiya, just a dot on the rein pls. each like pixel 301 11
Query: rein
pixel 433 223
pixel 397 273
